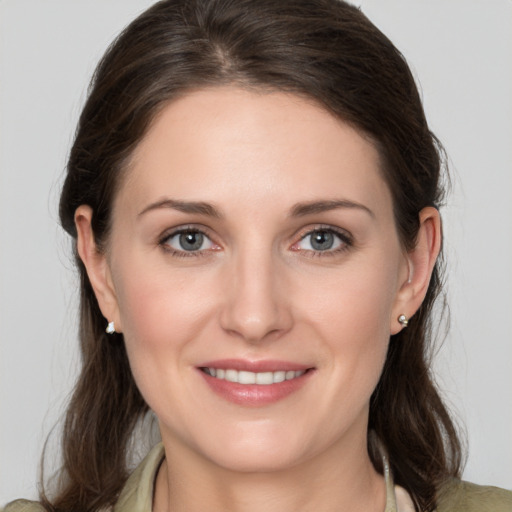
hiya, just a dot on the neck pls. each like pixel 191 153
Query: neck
pixel 350 483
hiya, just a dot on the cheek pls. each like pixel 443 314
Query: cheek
pixel 352 314
pixel 161 312
pixel 356 302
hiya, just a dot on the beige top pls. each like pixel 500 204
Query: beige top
pixel 458 496
pixel 137 494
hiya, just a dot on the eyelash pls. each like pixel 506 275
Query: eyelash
pixel 344 237
pixel 181 231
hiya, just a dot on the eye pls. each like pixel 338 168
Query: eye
pixel 188 240
pixel 322 240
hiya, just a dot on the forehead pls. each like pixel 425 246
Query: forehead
pixel 228 144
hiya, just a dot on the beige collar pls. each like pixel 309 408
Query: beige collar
pixel 397 498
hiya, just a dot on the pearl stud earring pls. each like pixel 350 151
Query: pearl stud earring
pixel 110 328
pixel 403 320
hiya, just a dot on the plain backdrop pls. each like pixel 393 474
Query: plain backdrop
pixel 461 53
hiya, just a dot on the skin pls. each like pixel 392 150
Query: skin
pixel 257 290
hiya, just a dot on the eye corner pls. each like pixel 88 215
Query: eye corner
pixel 294 247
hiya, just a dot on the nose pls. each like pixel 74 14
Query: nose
pixel 256 305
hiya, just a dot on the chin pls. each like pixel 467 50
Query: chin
pixel 256 460
pixel 257 450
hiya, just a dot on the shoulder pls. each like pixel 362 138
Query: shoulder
pixel 136 495
pixel 24 506
pixel 460 496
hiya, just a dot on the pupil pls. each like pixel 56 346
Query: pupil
pixel 322 240
pixel 191 241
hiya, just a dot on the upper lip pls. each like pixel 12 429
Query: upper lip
pixel 267 365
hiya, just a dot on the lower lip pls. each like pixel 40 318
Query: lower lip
pixel 255 395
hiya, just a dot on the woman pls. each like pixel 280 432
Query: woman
pixel 253 189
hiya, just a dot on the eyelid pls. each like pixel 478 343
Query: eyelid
pixel 187 228
pixel 167 233
pixel 343 233
pixel 345 237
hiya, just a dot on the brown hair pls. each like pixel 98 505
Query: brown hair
pixel 326 50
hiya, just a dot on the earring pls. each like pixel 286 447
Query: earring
pixel 403 320
pixel 110 328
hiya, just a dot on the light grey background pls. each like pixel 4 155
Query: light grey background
pixel 461 52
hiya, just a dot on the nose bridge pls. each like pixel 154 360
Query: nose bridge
pixel 255 305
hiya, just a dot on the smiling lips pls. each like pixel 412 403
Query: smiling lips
pixel 254 384
pixel 261 378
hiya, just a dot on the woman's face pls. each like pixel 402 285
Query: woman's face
pixel 256 272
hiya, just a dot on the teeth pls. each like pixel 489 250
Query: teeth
pixel 231 375
pixel 244 377
pixel 279 376
pixel 264 378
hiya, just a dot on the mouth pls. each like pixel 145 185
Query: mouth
pixel 247 377
pixel 255 384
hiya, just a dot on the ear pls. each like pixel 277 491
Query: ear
pixel 96 265
pixel 421 260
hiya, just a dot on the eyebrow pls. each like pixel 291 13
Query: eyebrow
pixel 298 210
pixel 312 207
pixel 198 207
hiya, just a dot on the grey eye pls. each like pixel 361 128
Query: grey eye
pixel 321 240
pixel 191 241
